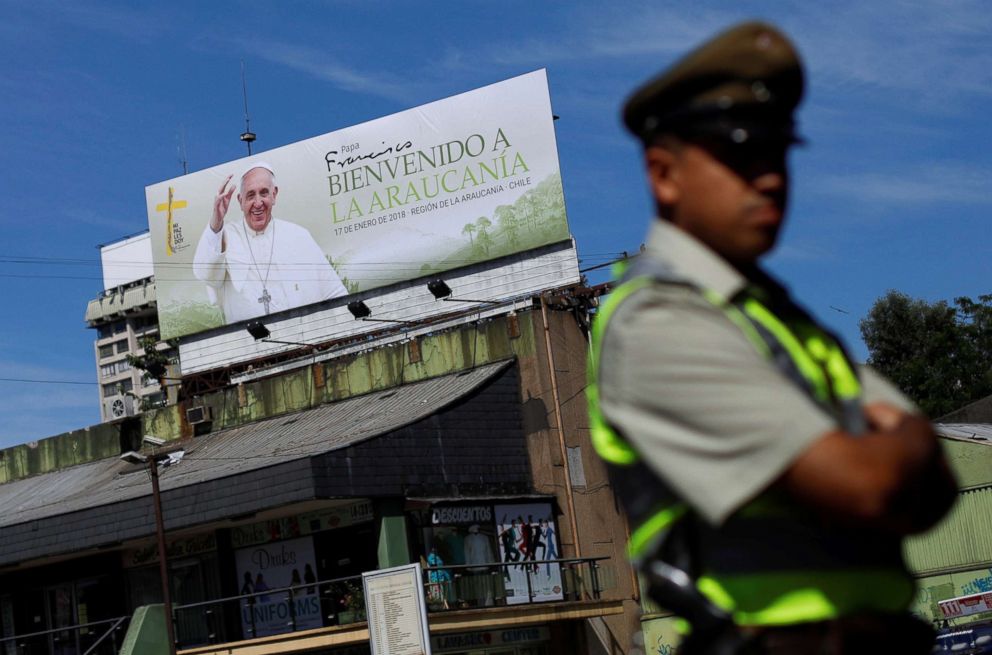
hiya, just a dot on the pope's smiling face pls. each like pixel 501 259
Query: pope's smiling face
pixel 258 197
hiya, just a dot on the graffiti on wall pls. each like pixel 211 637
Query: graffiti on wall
pixel 978 585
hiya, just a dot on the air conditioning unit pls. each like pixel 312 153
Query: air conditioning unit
pixel 118 407
pixel 197 415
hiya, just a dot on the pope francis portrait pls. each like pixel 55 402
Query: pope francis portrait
pixel 258 264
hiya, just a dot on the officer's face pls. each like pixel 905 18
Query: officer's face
pixel 731 197
pixel 257 198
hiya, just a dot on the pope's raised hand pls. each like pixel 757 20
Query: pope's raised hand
pixel 221 202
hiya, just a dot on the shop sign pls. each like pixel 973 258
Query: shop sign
pixel 465 515
pixel 300 525
pixel 397 613
pixel 966 605
pixel 490 638
pixel 273 566
pixel 175 549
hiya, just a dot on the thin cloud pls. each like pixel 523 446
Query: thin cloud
pixel 938 182
pixel 934 53
pixel 801 252
pixel 142 24
pixel 34 402
pixel 321 65
pixel 10 368
pixel 937 51
pixel 96 219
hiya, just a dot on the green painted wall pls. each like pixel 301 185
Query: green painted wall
pixel 661 635
pixel 950 585
pixel 65 450
pixel 344 377
pixel 355 375
pixel 394 547
pixel 971 462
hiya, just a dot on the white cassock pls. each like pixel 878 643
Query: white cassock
pixel 260 273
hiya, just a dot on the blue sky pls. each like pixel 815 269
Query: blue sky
pixel 893 191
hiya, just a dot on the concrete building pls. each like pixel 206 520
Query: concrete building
pixel 124 318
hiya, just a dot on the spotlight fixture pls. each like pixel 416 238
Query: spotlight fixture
pixel 262 333
pixel 439 288
pixel 441 291
pixel 359 309
pixel 258 330
pixel 361 312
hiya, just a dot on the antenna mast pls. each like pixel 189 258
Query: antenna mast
pixel 248 136
pixel 181 149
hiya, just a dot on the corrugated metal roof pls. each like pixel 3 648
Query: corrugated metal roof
pixel 963 539
pixel 978 432
pixel 229 452
pixel 115 303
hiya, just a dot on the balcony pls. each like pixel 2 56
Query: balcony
pixel 329 613
pixel 96 638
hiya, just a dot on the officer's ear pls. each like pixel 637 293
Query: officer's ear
pixel 661 160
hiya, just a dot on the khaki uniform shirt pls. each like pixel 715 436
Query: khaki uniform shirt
pixel 684 385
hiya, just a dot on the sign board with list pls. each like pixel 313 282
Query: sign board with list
pixel 396 611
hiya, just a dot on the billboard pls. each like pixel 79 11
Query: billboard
pixel 463 180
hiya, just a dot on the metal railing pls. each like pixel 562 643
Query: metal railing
pixel 335 602
pixel 322 603
pixel 341 601
pixel 466 586
pixel 94 638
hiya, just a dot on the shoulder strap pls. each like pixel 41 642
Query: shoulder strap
pixel 774 340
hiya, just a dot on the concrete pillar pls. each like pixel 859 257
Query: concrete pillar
pixel 394 546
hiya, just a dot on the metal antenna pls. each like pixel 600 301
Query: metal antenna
pixel 248 136
pixel 181 149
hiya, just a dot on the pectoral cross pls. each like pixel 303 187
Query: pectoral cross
pixel 265 299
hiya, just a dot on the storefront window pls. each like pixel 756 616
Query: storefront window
pixel 193 578
pixel 528 537
pixel 484 555
pixel 315 550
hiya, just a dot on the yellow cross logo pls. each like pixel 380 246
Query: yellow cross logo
pixel 168 207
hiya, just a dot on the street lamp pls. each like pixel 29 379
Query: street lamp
pixel 159 454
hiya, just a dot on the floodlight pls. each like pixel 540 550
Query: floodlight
pixel 258 330
pixel 439 288
pixel 359 309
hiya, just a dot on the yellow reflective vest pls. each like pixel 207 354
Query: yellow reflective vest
pixel 771 563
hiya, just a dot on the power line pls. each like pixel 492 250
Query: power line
pixel 45 381
pixel 43 258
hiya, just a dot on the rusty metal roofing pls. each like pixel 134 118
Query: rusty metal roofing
pixel 229 452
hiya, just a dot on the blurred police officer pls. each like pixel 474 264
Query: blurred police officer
pixel 769 479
